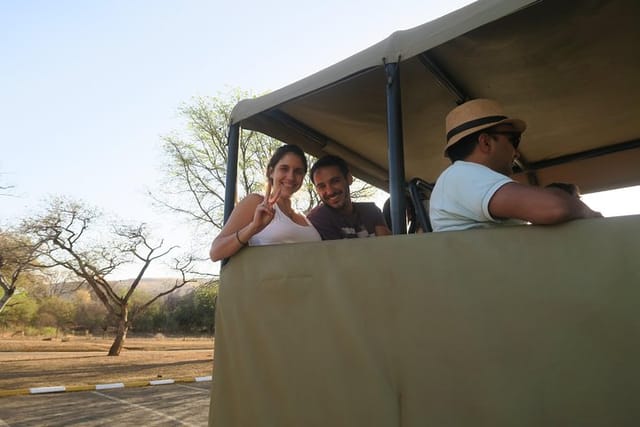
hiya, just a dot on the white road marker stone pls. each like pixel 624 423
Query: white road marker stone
pixel 109 386
pixel 161 382
pixel 52 389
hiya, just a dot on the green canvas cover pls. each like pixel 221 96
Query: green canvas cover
pixel 519 326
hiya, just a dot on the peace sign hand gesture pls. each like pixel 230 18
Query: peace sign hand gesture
pixel 265 211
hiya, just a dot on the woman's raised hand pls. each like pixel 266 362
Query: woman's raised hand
pixel 264 211
pixel 270 198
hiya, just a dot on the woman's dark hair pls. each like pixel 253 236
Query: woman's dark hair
pixel 281 152
pixel 463 148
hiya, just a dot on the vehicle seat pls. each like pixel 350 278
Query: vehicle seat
pixel 420 194
pixel 410 214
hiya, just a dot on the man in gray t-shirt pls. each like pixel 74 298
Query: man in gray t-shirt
pixel 338 217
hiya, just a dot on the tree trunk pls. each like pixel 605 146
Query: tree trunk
pixel 121 335
pixel 8 293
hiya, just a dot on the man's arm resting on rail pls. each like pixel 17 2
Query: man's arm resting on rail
pixel 538 205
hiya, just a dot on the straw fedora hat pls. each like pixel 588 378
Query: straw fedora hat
pixel 476 115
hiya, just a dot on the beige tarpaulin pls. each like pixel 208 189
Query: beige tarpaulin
pixel 569 68
pixel 525 326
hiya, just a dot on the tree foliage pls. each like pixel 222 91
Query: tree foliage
pixel 90 314
pixel 57 312
pixel 197 163
pixel 20 313
pixel 196 311
pixel 18 264
pixel 185 312
pixel 197 160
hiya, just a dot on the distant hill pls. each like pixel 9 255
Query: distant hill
pixel 154 284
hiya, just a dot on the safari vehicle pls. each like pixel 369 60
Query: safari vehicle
pixel 530 325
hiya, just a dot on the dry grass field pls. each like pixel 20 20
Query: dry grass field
pixel 73 361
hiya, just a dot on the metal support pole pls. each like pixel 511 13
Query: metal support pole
pixel 397 184
pixel 233 144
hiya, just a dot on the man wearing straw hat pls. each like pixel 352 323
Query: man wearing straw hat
pixel 476 191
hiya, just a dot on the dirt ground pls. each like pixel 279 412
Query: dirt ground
pixel 73 361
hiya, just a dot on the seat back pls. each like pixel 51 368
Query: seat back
pixel 417 203
pixel 409 217
pixel 420 193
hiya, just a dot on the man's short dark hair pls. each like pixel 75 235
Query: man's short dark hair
pixel 330 160
pixel 463 148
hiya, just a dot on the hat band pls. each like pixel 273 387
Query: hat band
pixel 473 124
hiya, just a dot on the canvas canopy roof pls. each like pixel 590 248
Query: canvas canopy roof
pixel 569 69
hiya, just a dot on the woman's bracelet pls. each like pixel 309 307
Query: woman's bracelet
pixel 240 241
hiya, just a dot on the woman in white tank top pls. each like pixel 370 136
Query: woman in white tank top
pixel 270 219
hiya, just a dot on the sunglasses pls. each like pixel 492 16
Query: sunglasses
pixel 513 137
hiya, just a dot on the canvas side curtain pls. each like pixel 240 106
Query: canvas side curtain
pixel 512 326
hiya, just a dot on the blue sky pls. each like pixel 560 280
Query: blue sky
pixel 89 87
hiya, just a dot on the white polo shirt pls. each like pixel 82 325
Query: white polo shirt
pixel 461 196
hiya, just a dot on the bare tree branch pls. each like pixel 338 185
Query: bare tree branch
pixel 65 232
pixel 197 161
